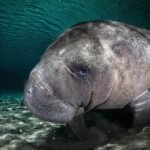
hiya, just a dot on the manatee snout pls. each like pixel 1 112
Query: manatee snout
pixel 43 101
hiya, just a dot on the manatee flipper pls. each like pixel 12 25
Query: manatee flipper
pixel 78 126
pixel 87 134
pixel 141 108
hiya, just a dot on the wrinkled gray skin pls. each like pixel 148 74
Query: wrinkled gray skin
pixel 93 65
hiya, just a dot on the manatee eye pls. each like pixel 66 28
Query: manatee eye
pixel 83 72
pixel 79 69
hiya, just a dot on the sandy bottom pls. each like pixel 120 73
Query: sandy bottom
pixel 20 130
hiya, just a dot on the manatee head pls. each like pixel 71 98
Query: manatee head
pixel 73 76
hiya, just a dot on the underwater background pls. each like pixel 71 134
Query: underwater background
pixel 27 28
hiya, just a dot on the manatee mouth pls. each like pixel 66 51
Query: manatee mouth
pixel 56 111
pixel 42 103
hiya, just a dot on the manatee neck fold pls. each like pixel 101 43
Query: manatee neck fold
pixel 97 103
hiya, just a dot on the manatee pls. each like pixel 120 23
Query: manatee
pixel 93 65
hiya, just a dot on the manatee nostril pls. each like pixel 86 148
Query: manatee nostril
pixel 29 93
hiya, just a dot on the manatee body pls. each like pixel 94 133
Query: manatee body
pixel 93 65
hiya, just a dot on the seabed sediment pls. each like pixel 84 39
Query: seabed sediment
pixel 20 130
